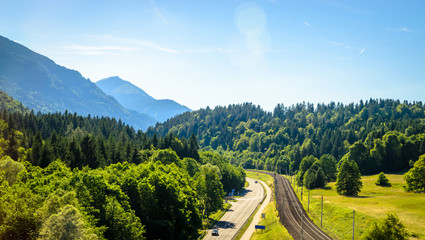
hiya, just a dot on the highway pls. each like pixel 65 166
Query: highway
pixel 248 233
pixel 239 212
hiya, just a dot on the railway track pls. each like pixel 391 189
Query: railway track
pixel 292 214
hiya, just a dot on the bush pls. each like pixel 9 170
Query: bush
pixel 382 180
pixel 389 228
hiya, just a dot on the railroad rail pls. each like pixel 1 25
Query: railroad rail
pixel 292 214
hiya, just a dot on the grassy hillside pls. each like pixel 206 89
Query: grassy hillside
pixel 372 203
pixel 11 105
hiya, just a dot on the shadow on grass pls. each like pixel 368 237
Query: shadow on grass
pixel 386 186
pixel 360 197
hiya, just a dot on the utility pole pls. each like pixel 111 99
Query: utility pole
pixel 354 215
pixel 321 214
pixel 302 226
pixel 308 205
pixel 302 193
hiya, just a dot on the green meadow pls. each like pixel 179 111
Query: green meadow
pixel 372 204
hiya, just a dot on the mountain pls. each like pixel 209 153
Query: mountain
pixel 42 85
pixel 134 98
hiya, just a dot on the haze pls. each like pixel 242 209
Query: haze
pixel 208 53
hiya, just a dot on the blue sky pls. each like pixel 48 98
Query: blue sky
pixel 207 53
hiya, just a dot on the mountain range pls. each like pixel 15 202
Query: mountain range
pixel 42 85
pixel 134 98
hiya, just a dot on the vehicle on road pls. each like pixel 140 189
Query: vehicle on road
pixel 255 181
pixel 214 232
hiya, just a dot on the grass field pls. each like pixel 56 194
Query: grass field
pixel 372 204
pixel 274 230
pixel 260 176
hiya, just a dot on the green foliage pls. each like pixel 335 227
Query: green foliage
pixel 11 105
pixel 360 154
pixel 81 180
pixel 253 138
pixel 328 164
pixel 10 168
pixel 191 166
pixel 314 177
pixel 306 163
pixel 67 224
pixel 209 188
pixel 121 224
pixel 415 177
pixel 231 177
pixel 389 228
pixel 348 181
pixel 382 180
pixel 165 156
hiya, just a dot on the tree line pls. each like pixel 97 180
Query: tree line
pixel 379 135
pixel 255 138
pixel 64 175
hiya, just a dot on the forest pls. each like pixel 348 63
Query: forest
pixel 92 177
pixel 65 175
pixel 378 134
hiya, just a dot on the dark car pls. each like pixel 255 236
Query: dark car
pixel 214 232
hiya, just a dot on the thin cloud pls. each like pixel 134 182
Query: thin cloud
pixel 99 48
pixel 207 50
pixel 95 50
pixel 157 12
pixel 339 44
pixel 145 44
pixel 402 29
pixel 154 46
pixel 362 51
pixel 307 24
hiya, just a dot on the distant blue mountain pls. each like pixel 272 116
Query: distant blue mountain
pixel 42 85
pixel 134 98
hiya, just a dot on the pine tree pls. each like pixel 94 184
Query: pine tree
pixel 348 181
pixel 382 180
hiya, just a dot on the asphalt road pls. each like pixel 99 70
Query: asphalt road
pixel 248 233
pixel 239 212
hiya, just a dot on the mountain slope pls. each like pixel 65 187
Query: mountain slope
pixel 134 98
pixel 42 85
pixel 11 105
